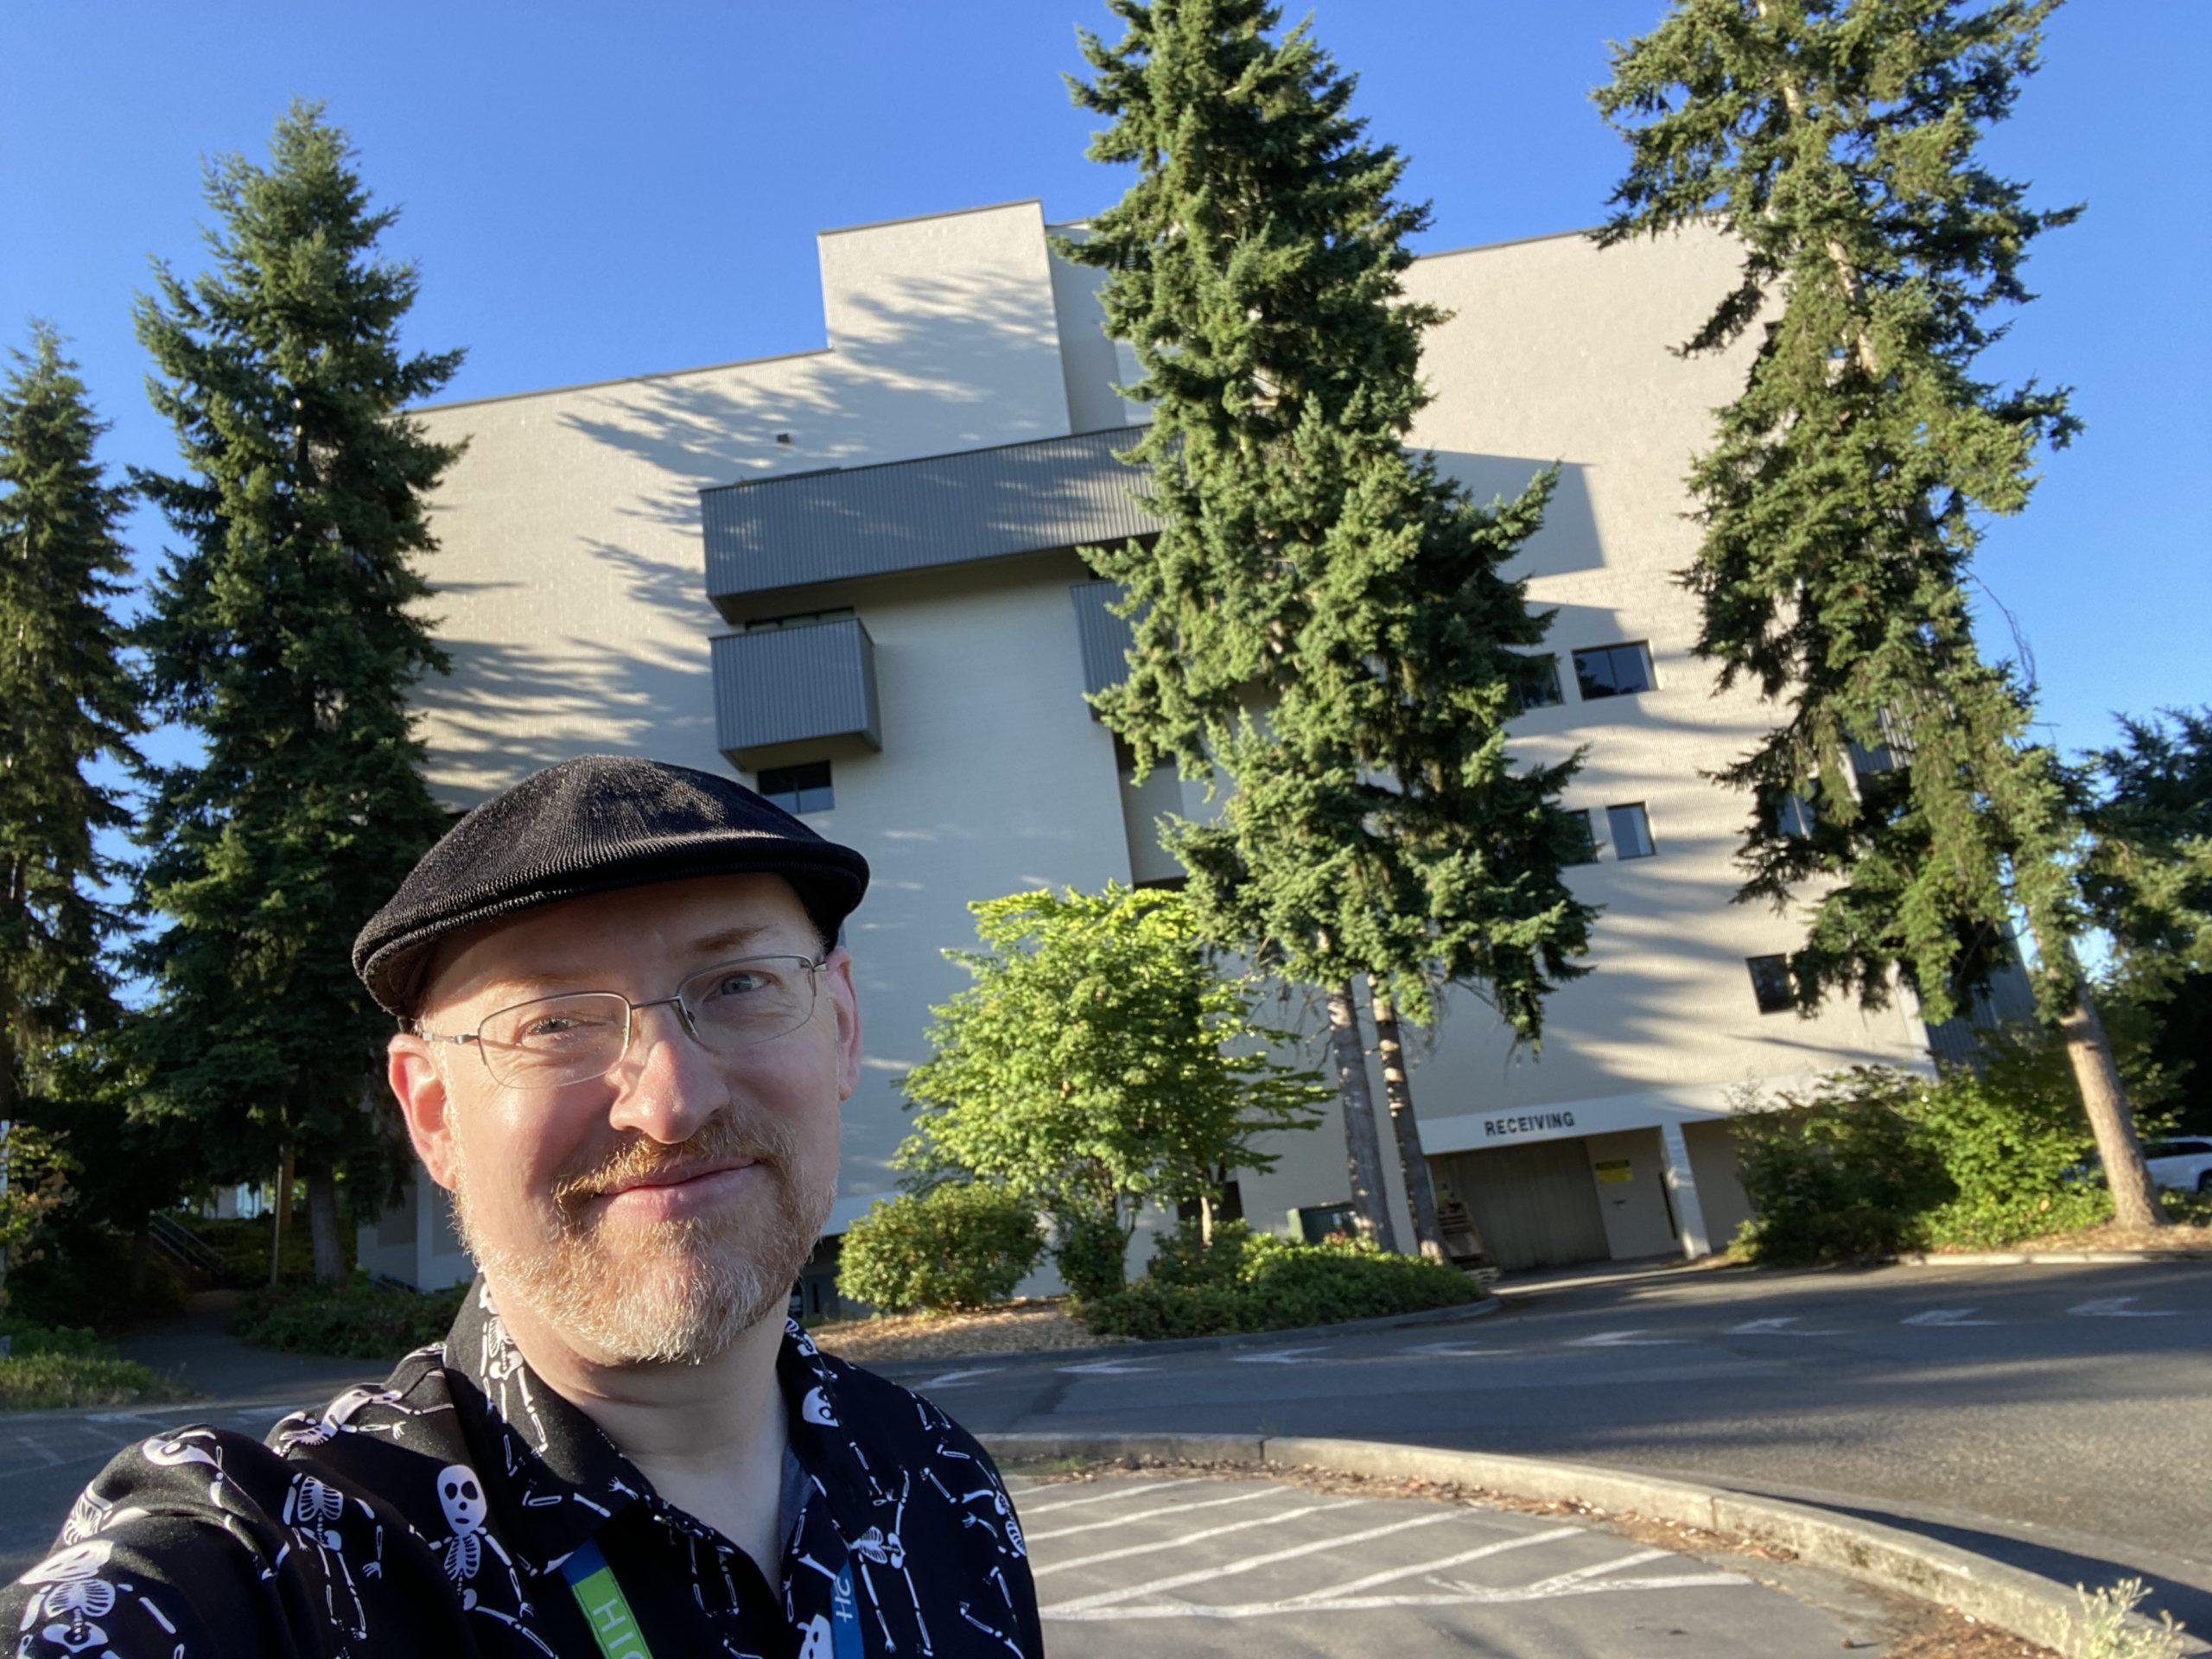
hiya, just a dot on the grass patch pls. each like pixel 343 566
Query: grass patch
pixel 356 1317
pixel 50 1366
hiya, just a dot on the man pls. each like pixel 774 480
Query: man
pixel 627 1029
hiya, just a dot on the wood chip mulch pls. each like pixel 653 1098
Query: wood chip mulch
pixel 1043 1325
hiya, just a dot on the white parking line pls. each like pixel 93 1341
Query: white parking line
pixel 1205 1533
pixel 1139 1490
pixel 1147 1514
pixel 1206 1574
pixel 1352 1586
pixel 1474 1596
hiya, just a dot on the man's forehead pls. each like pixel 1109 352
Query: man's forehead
pixel 577 943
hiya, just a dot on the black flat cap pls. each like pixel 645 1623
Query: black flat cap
pixel 591 825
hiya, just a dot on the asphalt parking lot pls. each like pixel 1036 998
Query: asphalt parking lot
pixel 1178 1565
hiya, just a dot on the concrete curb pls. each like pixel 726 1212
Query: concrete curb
pixel 2042 1258
pixel 1460 1315
pixel 2023 1602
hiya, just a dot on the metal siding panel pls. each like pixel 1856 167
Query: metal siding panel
pixel 910 515
pixel 783 685
pixel 1105 638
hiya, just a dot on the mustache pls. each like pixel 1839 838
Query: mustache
pixel 722 1139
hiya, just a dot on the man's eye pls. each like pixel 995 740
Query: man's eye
pixel 743 984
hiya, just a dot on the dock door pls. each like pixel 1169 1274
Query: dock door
pixel 1535 1203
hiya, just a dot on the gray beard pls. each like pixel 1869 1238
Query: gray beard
pixel 663 1293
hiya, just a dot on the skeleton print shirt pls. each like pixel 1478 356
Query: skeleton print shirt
pixel 433 1515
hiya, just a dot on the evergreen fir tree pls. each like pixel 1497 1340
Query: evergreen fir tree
pixel 67 699
pixel 284 635
pixel 1835 140
pixel 1321 610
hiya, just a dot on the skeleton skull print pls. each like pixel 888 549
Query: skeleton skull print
pixel 432 1514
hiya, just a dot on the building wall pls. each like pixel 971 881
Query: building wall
pixel 570 596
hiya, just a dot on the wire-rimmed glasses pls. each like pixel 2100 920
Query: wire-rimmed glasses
pixel 552 1041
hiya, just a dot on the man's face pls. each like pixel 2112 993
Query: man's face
pixel 654 1213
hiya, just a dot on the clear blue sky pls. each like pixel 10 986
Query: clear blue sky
pixel 595 191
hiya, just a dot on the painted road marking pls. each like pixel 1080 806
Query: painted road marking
pixel 1108 1367
pixel 1147 1514
pixel 954 1379
pixel 1622 1340
pixel 1455 1349
pixel 1145 1489
pixel 2116 1307
pixel 1947 1316
pixel 1280 1357
pixel 1474 1596
pixel 1775 1327
pixel 1205 1533
pixel 1082 1604
pixel 1353 1587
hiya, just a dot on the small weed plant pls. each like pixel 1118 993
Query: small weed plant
pixel 2107 1632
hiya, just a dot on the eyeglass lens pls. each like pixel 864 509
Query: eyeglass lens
pixel 571 1038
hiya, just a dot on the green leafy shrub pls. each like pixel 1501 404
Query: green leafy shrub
pixel 27 1335
pixel 2010 1142
pixel 1092 1254
pixel 1245 1280
pixel 83 1272
pixel 244 1245
pixel 357 1318
pixel 1876 1161
pixel 960 1245
pixel 1841 1174
pixel 49 1381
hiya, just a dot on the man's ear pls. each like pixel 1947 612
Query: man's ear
pixel 412 1072
pixel 846 1003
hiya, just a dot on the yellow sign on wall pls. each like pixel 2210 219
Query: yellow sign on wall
pixel 1614 1169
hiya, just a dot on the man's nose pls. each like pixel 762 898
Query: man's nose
pixel 667 1085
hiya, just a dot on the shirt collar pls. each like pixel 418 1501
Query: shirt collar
pixel 557 1479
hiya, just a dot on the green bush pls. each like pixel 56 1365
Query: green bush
pixel 244 1244
pixel 1875 1160
pixel 1841 1174
pixel 1092 1254
pixel 1245 1280
pixel 955 1246
pixel 356 1317
pixel 45 1382
pixel 83 1272
pixel 27 1335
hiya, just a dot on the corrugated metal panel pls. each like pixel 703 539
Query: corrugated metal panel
pixel 1106 638
pixel 786 685
pixel 910 515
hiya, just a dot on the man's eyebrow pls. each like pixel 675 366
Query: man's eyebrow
pixel 707 948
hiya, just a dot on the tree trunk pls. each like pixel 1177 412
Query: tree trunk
pixel 1413 1162
pixel 1362 1150
pixel 2104 1099
pixel 280 1212
pixel 322 1225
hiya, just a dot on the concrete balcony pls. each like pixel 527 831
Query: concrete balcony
pixel 812 683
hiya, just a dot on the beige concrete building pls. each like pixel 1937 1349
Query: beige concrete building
pixel 849 575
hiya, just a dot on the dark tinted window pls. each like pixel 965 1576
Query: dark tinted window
pixel 1793 815
pixel 1770 983
pixel 1612 671
pixel 1540 689
pixel 798 789
pixel 1630 827
pixel 1582 842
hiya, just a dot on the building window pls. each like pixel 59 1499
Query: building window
pixel 1631 830
pixel 798 789
pixel 1793 815
pixel 1582 842
pixel 1613 670
pixel 1771 984
pixel 1539 689
pixel 796 620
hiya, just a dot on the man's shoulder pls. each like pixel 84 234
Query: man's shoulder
pixel 872 1407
